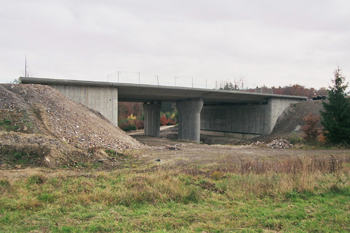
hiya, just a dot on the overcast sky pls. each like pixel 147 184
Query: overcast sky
pixel 270 42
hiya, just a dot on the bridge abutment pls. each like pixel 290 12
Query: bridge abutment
pixel 152 118
pixel 244 118
pixel 189 119
pixel 102 99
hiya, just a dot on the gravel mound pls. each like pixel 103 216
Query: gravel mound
pixel 41 117
pixel 292 117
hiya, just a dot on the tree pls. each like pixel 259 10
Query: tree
pixel 227 86
pixel 336 113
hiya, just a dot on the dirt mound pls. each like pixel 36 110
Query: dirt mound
pixel 292 117
pixel 38 122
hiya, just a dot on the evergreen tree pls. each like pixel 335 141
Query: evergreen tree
pixel 336 114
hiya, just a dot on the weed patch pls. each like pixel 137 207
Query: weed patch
pixel 36 179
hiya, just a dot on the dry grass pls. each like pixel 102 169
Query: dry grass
pixel 184 184
pixel 184 199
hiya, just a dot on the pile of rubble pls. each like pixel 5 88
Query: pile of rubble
pixel 280 144
pixel 275 144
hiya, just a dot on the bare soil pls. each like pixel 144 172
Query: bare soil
pixel 219 155
pixel 41 127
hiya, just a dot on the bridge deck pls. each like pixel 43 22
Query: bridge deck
pixel 144 93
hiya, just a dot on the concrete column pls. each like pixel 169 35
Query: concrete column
pixel 152 118
pixel 189 119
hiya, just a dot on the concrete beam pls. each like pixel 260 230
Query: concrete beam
pixel 152 118
pixel 189 119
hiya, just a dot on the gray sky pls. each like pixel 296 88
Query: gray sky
pixel 271 42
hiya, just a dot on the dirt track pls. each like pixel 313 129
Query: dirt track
pixel 202 154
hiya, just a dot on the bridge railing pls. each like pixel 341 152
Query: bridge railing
pixel 164 80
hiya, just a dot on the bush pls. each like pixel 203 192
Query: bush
pixel 168 118
pixel 139 124
pixel 172 121
pixel 128 126
pixel 163 120
pixel 311 133
pixel 130 123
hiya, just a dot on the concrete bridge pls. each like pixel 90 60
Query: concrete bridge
pixel 200 110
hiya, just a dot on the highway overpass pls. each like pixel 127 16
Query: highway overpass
pixel 230 112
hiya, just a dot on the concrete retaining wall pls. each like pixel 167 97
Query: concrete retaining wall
pixel 276 108
pixel 236 118
pixel 247 119
pixel 102 99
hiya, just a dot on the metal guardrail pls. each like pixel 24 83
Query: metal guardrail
pixel 166 80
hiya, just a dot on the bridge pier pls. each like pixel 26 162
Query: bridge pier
pixel 189 119
pixel 152 118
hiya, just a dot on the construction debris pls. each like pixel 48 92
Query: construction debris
pixel 280 144
pixel 275 144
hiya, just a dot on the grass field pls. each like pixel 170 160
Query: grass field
pixel 297 197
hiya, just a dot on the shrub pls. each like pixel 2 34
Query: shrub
pixel 128 126
pixel 168 115
pixel 310 130
pixel 163 120
pixel 171 122
pixel 295 139
pixel 131 117
pixel 322 139
pixel 122 121
pixel 131 123
pixel 168 118
pixel 139 124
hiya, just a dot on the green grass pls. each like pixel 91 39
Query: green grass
pixel 177 201
pixel 8 125
pixel 18 157
pixel 17 120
